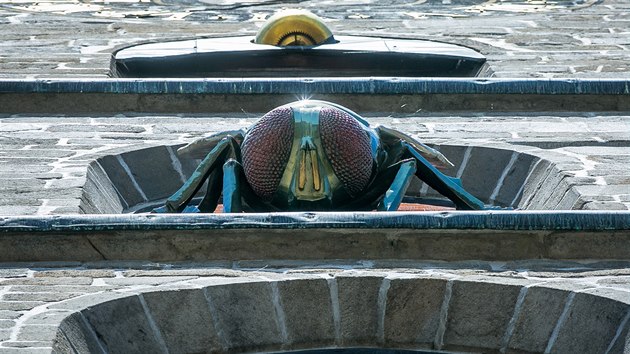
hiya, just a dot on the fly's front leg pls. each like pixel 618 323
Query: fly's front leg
pixel 447 186
pixel 232 172
pixel 396 192
pixel 226 148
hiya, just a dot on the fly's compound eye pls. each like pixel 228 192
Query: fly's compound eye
pixel 347 147
pixel 266 150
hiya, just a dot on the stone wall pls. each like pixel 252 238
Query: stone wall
pixel 497 307
pixel 583 38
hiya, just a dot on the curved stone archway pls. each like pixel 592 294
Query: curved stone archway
pixel 364 309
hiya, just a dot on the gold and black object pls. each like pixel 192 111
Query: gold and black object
pixel 296 43
pixel 294 28
pixel 309 156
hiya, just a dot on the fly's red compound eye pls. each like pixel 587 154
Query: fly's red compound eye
pixel 347 147
pixel 266 150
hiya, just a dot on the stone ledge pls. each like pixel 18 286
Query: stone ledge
pixel 398 235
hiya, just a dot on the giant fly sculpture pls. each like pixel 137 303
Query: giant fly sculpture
pixel 312 156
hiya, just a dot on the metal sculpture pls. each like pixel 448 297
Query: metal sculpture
pixel 294 27
pixel 312 155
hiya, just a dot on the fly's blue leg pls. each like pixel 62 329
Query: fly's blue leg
pixel 232 202
pixel 213 192
pixel 447 186
pixel 180 199
pixel 396 192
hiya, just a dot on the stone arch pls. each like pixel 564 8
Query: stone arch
pixel 482 314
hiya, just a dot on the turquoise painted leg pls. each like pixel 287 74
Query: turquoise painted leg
pixel 213 192
pixel 396 192
pixel 178 202
pixel 447 186
pixel 232 202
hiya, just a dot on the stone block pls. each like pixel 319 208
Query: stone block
pixel 39 333
pixel 595 205
pixel 9 315
pixel 62 345
pixel 79 334
pixel 123 326
pixel 145 280
pixel 19 305
pixel 24 350
pixel 588 245
pixel 358 307
pixel 484 168
pixel 6 324
pixel 552 185
pixel 413 310
pixel 540 170
pixel 537 319
pixel 99 195
pixel 479 313
pixel 244 316
pixel 622 342
pixel 514 180
pixel 590 325
pixel 120 180
pixel 184 320
pixel 92 273
pixel 45 281
pixel 569 200
pixel 80 303
pixel 153 170
pixel 308 312
pixel 455 154
pixel 48 317
pixel 44 296
pixel 5 334
pixel 13 273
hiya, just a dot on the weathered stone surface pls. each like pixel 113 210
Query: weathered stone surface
pixel 413 310
pixel 244 315
pixel 486 162
pixel 622 343
pixel 599 245
pixel 83 302
pixel 91 273
pixel 123 326
pixel 9 315
pixel 145 280
pixel 46 297
pixel 82 338
pixel 149 165
pixel 358 307
pixel 6 324
pixel 510 192
pixel 537 319
pixel 40 333
pixel 100 196
pixel 62 344
pixel 479 313
pixel 590 325
pixel 122 180
pixel 13 273
pixel 184 320
pixel 308 312
pixel 5 334
pixel 20 305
